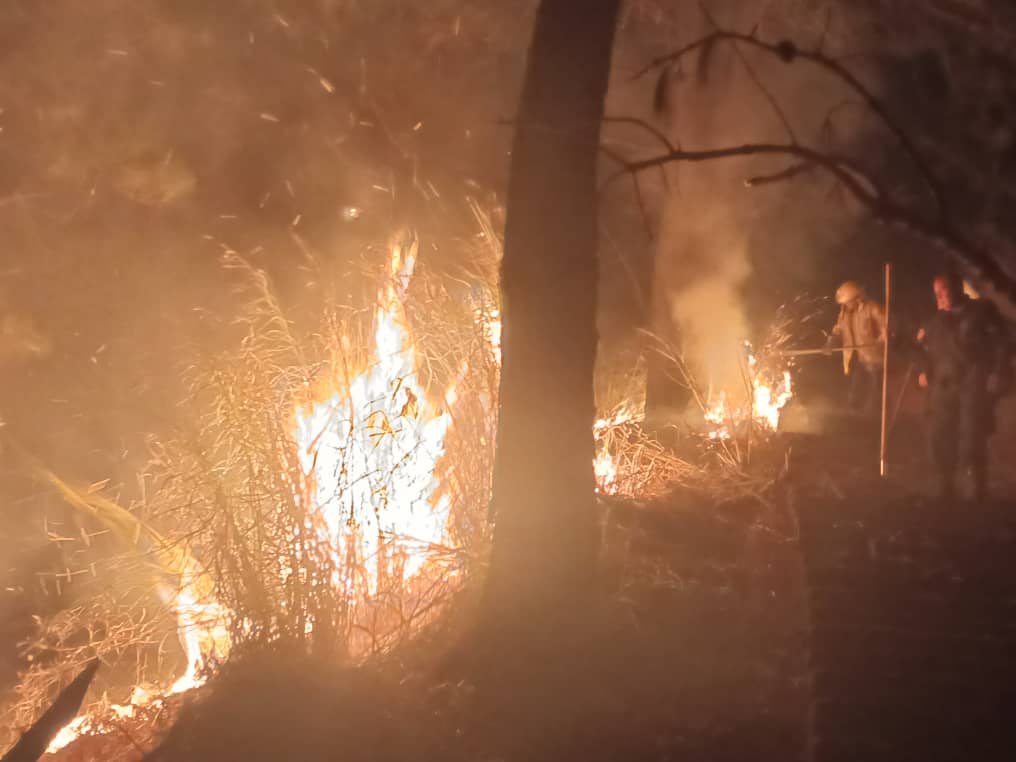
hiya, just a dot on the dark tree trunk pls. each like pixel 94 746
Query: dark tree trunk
pixel 546 535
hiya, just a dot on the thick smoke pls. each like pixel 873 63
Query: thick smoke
pixel 725 250
pixel 707 257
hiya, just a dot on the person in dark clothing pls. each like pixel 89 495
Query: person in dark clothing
pixel 963 365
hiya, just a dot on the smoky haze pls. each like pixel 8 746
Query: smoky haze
pixel 142 140
pixel 727 255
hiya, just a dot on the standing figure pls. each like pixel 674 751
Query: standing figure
pixel 861 327
pixel 964 366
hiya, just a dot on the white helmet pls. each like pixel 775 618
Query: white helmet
pixel 848 292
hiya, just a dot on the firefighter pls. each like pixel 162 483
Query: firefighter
pixel 964 366
pixel 861 328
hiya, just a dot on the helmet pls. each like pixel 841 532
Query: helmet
pixel 848 292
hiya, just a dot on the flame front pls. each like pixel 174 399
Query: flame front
pixel 370 452
pixel 369 448
pixel 202 629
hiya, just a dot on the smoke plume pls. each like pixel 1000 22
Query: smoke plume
pixel 725 250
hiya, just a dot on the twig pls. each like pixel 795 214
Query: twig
pixel 788 52
pixel 842 168
pixel 753 76
pixel 784 174
pixel 639 200
pixel 644 125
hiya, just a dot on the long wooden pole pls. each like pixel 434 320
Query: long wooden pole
pixel 883 451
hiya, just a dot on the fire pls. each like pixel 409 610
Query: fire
pixel 767 400
pixel 604 467
pixel 492 333
pixel 201 627
pixel 371 449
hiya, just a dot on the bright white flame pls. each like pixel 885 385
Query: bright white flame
pixel 604 467
pixel 492 334
pixel 370 452
pixel 69 732
pixel 202 627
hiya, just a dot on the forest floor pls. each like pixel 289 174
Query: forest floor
pixel 843 618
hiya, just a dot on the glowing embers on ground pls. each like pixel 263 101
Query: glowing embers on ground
pixel 770 392
pixel 370 454
pixel 604 467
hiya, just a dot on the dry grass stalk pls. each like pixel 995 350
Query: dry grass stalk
pixel 229 489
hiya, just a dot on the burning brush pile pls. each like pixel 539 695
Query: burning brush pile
pixel 331 494
pixel 723 424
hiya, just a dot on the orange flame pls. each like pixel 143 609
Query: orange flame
pixel 370 452
pixel 768 398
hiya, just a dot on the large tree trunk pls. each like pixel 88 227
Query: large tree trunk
pixel 546 537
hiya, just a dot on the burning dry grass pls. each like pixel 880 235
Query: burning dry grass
pixel 331 487
pixel 319 484
pixel 324 518
pixel 114 628
pixel 672 660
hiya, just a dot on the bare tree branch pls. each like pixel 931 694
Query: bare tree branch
pixel 661 137
pixel 936 231
pixel 639 199
pixel 753 76
pixel 845 170
pixel 785 174
pixel 644 125
pixel 766 93
pixel 788 52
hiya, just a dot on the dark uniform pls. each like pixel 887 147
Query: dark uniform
pixel 963 347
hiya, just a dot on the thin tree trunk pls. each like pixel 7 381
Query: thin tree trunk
pixel 546 535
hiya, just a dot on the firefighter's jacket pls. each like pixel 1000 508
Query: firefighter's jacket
pixel 863 327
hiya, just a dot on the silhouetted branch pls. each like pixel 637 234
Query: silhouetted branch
pixel 656 133
pixel 786 174
pixel 639 199
pixel 644 125
pixel 36 740
pixel 788 52
pixel 753 76
pixel 855 179
pixel 861 186
pixel 766 93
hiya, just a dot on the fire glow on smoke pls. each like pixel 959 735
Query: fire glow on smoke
pixel 760 406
